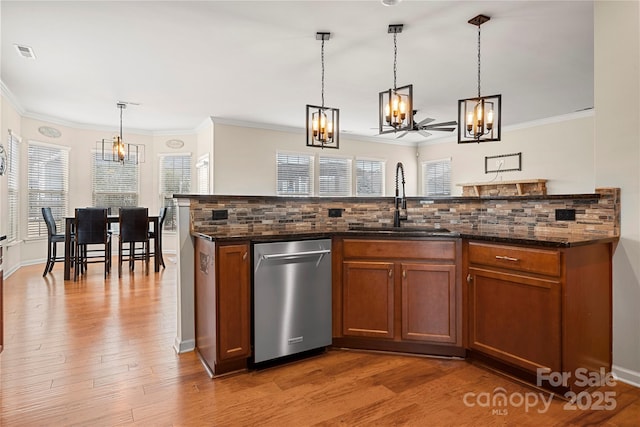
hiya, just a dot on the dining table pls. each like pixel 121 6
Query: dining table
pixel 111 219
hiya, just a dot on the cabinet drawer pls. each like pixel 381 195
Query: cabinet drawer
pixel 400 249
pixel 531 260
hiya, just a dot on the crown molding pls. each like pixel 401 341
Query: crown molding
pixel 524 125
pixel 298 130
pixel 6 92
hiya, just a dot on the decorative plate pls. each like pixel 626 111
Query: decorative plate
pixel 3 160
pixel 49 131
pixel 175 143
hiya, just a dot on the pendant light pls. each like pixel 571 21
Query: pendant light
pixel 395 106
pixel 323 123
pixel 479 118
pixel 119 151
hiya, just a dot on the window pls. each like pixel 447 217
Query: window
pixel 48 179
pixel 334 176
pixel 114 185
pixel 369 177
pixel 175 178
pixel 202 171
pixel 13 172
pixel 294 174
pixel 436 177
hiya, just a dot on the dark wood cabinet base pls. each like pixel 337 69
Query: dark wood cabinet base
pixel 376 344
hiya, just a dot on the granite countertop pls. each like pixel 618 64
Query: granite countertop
pixel 488 234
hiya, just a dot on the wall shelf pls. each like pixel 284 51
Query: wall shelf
pixel 524 187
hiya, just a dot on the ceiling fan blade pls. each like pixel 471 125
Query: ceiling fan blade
pixel 439 129
pixel 423 133
pixel 424 121
pixel 402 134
pixel 451 123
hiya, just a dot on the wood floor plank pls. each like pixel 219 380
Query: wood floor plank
pixel 100 353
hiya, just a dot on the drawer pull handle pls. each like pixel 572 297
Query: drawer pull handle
pixel 390 273
pixel 404 274
pixel 469 278
pixel 244 257
pixel 507 258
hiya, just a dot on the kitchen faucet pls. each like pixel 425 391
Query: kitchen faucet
pixel 401 202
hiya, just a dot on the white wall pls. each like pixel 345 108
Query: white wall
pixel 205 147
pixel 617 163
pixel 245 158
pixel 559 150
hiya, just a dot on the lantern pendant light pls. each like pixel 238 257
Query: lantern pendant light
pixel 395 106
pixel 120 151
pixel 479 118
pixel 323 123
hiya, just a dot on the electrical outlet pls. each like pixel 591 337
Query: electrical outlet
pixel 335 212
pixel 565 214
pixel 220 214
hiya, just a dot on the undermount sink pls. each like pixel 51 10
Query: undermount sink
pixel 425 230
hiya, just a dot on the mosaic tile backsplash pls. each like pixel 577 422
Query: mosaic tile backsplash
pixel 597 213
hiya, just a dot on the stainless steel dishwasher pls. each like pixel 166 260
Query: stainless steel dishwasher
pixel 291 297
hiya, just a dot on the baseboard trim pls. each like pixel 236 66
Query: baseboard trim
pixel 626 375
pixel 184 346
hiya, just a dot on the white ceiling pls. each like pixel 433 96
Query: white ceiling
pixel 259 61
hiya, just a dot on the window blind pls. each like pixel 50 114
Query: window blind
pixel 114 185
pixel 436 177
pixel 294 174
pixel 13 188
pixel 369 177
pixel 48 182
pixel 175 178
pixel 334 176
pixel 202 171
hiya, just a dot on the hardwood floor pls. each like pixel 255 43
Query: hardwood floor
pixel 98 352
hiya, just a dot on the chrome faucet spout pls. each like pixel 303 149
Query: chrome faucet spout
pixel 400 202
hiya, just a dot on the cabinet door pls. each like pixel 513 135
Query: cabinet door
pixel 233 302
pixel 515 318
pixel 429 303
pixel 367 299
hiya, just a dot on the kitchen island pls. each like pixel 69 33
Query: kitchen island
pixel 444 298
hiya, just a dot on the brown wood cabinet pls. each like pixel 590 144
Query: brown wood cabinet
pixel 536 308
pixel 223 310
pixel 400 295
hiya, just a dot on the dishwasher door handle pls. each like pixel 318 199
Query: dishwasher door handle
pixel 293 255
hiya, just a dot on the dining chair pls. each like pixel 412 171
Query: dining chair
pixel 91 229
pixel 134 228
pixel 157 234
pixel 53 238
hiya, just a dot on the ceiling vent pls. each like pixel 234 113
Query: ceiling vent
pixel 25 51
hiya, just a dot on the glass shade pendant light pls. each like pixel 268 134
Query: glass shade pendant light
pixel 395 106
pixel 323 123
pixel 479 118
pixel 120 151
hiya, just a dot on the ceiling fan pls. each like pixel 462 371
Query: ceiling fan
pixel 427 125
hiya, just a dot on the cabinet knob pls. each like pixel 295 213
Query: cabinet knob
pixel 404 274
pixel 469 278
pixel 244 257
pixel 390 272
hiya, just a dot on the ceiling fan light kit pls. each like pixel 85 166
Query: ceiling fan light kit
pixel 395 105
pixel 323 123
pixel 479 118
